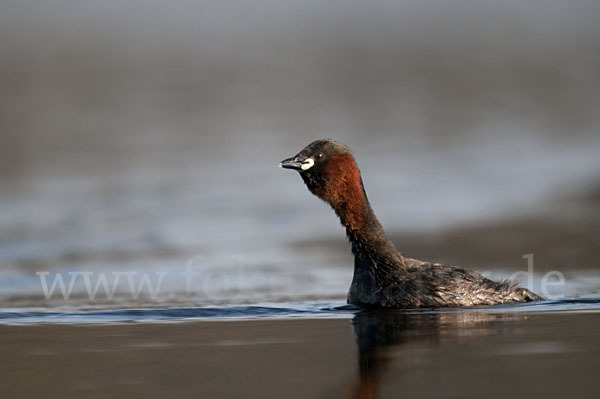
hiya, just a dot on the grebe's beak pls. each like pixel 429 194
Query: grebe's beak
pixel 291 163
pixel 297 164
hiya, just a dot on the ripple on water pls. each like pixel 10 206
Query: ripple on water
pixel 290 310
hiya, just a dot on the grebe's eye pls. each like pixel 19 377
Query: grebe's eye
pixel 320 155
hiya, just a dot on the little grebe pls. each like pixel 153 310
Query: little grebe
pixel 383 278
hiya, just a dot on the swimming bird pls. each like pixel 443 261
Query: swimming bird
pixel 383 278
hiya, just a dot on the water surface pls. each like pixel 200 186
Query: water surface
pixel 545 350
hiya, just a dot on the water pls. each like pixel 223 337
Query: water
pixel 275 350
pixel 308 310
pixel 279 310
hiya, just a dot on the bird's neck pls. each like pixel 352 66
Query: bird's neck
pixel 368 238
pixel 377 263
pixel 375 257
pixel 376 260
pixel 343 189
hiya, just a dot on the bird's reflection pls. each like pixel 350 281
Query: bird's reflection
pixel 379 331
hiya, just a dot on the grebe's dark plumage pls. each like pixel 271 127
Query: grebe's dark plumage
pixel 382 277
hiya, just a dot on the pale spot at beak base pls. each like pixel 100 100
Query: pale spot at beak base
pixel 307 164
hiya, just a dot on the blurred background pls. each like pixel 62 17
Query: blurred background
pixel 144 136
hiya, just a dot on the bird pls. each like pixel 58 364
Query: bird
pixel 383 278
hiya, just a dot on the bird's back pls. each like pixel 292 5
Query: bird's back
pixel 424 284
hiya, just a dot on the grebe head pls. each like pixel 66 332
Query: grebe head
pixel 318 163
pixel 315 156
pixel 330 172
